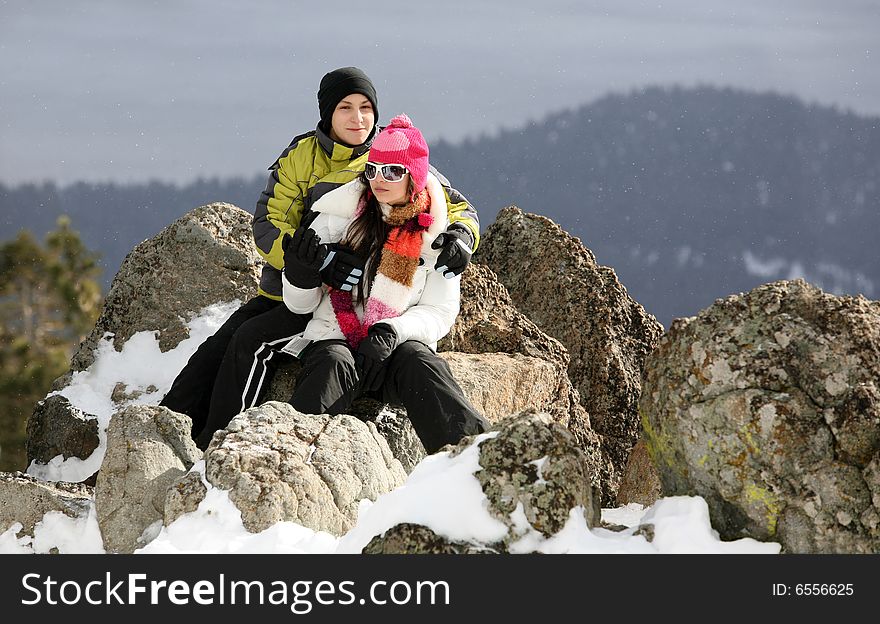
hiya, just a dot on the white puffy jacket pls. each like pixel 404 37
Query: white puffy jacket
pixel 434 302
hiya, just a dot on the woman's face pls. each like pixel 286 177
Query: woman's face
pixel 393 193
pixel 352 120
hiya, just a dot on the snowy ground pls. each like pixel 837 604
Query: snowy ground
pixel 441 492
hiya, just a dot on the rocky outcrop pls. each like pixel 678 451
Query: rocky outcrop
pixel 533 474
pixel 555 281
pixel 26 500
pixel 489 322
pixel 57 428
pixel 148 449
pixel 206 256
pixel 766 404
pixel 280 465
pixel 504 362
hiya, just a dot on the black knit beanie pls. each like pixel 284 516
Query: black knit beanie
pixel 338 84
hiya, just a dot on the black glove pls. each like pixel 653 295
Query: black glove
pixel 342 268
pixel 303 256
pixel 372 355
pixel 457 243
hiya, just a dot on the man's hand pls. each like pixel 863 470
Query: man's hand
pixel 303 256
pixel 457 244
pixel 342 268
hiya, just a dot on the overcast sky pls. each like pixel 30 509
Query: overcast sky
pixel 175 89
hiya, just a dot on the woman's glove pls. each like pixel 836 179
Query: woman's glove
pixel 342 268
pixel 303 256
pixel 457 243
pixel 372 355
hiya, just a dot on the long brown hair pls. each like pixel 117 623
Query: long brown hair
pixel 366 235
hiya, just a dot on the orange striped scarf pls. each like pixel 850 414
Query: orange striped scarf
pixel 391 289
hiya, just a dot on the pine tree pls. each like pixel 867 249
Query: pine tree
pixel 49 298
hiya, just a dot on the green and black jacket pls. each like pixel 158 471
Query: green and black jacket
pixel 312 165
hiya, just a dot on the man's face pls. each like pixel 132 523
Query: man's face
pixel 353 120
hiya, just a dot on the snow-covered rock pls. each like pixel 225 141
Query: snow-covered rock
pixel 25 500
pixel 148 448
pixel 205 257
pixel 58 428
pixel 280 465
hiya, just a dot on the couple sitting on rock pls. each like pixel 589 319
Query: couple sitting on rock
pixel 365 244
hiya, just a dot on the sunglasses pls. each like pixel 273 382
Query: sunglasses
pixel 390 173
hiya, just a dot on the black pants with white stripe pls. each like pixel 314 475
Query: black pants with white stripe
pixel 232 369
pixel 416 378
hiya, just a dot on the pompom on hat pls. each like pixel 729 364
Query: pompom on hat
pixel 401 143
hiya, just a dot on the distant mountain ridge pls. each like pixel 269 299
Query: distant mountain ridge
pixel 689 194
pixel 692 194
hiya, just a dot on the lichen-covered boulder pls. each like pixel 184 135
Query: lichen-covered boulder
pixel 534 466
pixel 767 405
pixel 414 539
pixel 281 465
pixel 555 281
pixel 533 474
pixel 489 322
pixel 148 449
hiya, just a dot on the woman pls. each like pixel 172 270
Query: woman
pixel 380 337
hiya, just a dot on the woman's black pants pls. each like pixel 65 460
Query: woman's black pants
pixel 416 378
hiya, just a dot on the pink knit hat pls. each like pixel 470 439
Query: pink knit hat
pixel 401 143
